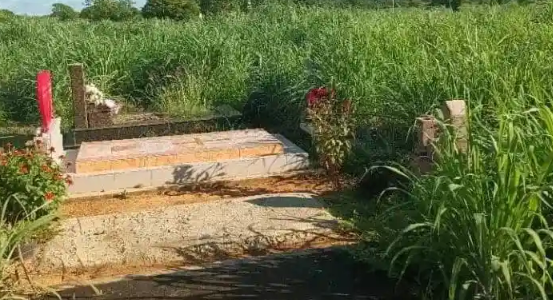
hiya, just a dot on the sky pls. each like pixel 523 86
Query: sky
pixel 43 7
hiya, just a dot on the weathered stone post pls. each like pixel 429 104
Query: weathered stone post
pixel 455 113
pixel 76 72
pixel 427 133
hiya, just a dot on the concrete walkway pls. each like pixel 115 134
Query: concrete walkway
pixel 189 233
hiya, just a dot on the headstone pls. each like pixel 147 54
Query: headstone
pixel 76 72
pixel 427 131
pixel 455 113
pixel 52 140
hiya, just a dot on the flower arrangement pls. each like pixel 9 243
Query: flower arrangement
pixel 333 127
pixel 95 96
pixel 32 184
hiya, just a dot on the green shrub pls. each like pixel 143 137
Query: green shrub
pixel 114 10
pixel 331 120
pixel 220 6
pixel 171 9
pixel 33 180
pixel 478 225
pixel 63 12
pixel 6 15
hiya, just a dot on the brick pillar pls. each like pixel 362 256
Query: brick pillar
pixel 76 72
pixel 427 132
pixel 455 113
pixel 99 116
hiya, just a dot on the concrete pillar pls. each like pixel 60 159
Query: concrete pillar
pixel 427 132
pixel 455 113
pixel 76 72
pixel 53 140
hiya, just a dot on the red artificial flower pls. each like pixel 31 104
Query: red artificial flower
pixel 312 97
pixel 45 168
pixel 315 95
pixel 49 196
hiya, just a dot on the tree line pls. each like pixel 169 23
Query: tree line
pixel 122 10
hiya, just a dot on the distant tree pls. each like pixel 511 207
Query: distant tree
pixel 115 10
pixel 63 12
pixel 219 6
pixel 6 14
pixel 171 9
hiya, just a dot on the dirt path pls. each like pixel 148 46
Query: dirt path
pixel 314 274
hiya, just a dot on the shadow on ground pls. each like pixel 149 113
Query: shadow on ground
pixel 317 274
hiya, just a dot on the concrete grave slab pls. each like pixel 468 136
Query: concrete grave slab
pixel 188 232
pixel 290 160
pixel 171 150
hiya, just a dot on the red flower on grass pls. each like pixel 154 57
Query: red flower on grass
pixel 69 180
pixel 315 95
pixel 49 196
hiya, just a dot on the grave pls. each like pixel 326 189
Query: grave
pixel 170 150
pixel 141 164
pixel 115 164
pixel 99 122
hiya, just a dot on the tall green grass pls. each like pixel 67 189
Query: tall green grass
pixel 395 63
pixel 12 237
pixel 479 227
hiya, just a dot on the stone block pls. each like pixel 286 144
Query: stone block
pixel 455 113
pixel 175 150
pixel 133 179
pixel 92 183
pixel 427 132
pixel 99 116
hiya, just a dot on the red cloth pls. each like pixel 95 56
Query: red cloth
pixel 44 99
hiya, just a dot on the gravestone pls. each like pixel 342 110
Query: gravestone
pixel 76 72
pixel 455 113
pixel 427 130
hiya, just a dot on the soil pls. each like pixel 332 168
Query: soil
pixel 314 274
pixel 310 183
pixel 93 206
pixel 132 202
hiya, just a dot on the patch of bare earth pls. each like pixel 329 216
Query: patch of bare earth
pixel 308 183
pixel 132 202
